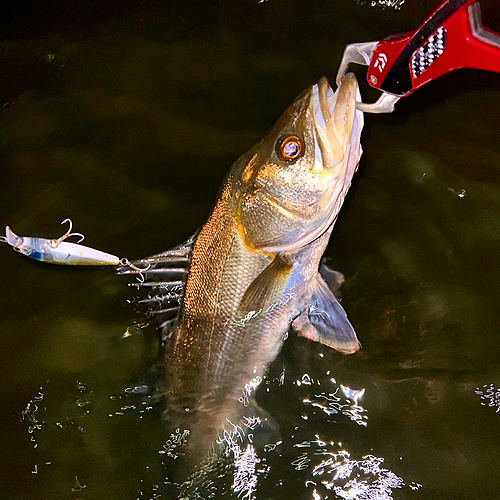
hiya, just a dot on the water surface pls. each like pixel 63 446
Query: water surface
pixel 126 118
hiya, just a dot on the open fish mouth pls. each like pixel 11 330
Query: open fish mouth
pixel 335 119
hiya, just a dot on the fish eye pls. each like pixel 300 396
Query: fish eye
pixel 289 148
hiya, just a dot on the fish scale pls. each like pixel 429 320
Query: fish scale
pixel 225 353
pixel 223 268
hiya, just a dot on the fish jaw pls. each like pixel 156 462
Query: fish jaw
pixel 336 121
pixel 338 125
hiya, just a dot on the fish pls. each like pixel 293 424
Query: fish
pixel 225 299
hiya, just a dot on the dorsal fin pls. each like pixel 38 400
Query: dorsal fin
pixel 165 275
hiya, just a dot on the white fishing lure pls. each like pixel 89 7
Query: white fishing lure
pixel 58 251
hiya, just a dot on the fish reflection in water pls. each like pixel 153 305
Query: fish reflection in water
pixel 250 273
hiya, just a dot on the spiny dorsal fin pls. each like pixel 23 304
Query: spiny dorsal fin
pixel 325 321
pixel 267 289
pixel 165 274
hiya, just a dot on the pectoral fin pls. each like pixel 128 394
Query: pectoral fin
pixel 267 289
pixel 325 321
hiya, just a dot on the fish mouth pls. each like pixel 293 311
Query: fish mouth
pixel 338 126
pixel 334 118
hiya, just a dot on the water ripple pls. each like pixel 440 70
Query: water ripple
pixel 490 396
pixel 363 479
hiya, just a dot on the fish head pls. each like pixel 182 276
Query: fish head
pixel 287 190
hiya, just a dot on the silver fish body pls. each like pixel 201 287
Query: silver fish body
pixel 219 356
pixel 253 267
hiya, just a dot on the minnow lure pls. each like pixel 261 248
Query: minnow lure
pixel 58 251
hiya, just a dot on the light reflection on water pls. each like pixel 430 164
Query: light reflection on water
pixel 243 457
pixel 129 129
pixel 394 4
pixel 490 396
pixel 330 402
pixel 74 411
pixel 32 417
pixel 363 479
pixel 329 466
pixel 232 457
pixel 42 419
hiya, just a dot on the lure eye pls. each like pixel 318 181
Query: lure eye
pixel 289 148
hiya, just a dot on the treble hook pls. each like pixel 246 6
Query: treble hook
pixel 140 278
pixel 68 234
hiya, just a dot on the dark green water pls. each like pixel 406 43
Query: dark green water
pixel 125 117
